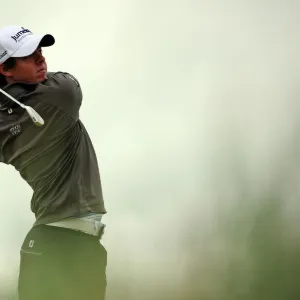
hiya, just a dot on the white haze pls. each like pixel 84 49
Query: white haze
pixel 193 110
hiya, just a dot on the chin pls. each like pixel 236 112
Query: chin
pixel 41 78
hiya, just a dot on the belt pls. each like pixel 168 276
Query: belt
pixel 91 227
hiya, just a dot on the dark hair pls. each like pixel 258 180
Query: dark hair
pixel 8 64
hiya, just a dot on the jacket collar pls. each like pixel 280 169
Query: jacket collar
pixel 16 90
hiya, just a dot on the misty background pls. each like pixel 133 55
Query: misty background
pixel 193 109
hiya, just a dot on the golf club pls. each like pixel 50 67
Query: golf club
pixel 36 118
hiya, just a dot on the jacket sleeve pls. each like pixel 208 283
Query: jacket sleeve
pixel 65 92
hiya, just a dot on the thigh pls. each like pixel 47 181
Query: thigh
pixel 89 271
pixel 39 268
pixel 59 264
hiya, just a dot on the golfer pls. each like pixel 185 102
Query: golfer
pixel 62 257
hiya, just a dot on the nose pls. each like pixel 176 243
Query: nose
pixel 39 58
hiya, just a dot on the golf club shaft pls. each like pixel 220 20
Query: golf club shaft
pixel 36 118
pixel 11 98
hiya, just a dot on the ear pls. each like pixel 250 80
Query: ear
pixel 4 71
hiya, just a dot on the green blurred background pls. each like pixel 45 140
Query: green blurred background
pixel 193 110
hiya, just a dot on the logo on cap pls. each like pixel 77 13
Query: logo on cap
pixel 3 54
pixel 20 35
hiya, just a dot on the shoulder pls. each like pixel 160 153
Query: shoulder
pixel 63 90
pixel 62 77
pixel 62 83
pixel 62 80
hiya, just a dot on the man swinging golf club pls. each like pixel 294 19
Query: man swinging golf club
pixel 43 138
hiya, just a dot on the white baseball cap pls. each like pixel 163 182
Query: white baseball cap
pixel 16 41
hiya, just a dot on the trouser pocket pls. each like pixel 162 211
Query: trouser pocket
pixel 30 275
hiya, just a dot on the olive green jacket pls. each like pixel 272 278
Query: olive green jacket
pixel 57 159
